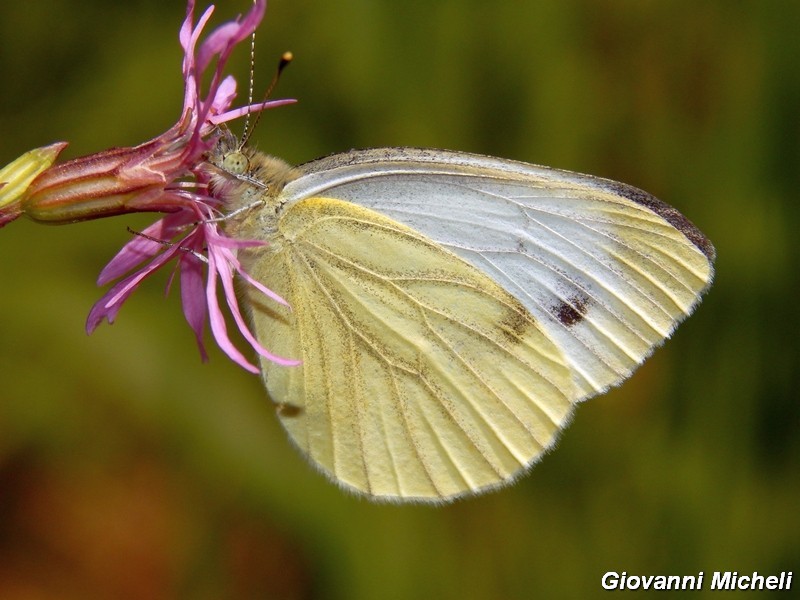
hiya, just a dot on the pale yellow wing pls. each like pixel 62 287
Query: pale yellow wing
pixel 421 378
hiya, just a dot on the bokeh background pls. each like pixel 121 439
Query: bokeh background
pixel 129 469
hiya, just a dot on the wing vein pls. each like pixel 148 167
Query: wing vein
pixel 407 295
pixel 493 393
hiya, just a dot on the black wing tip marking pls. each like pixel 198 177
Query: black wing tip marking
pixel 668 213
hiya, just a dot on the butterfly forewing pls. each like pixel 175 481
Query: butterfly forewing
pixel 606 270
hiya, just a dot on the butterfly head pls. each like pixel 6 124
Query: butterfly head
pixel 249 185
pixel 236 162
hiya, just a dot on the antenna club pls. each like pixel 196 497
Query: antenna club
pixel 286 58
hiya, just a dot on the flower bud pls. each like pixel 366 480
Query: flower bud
pixel 17 176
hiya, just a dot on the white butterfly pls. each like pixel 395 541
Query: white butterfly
pixel 450 309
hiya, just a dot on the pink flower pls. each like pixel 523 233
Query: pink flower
pixel 166 175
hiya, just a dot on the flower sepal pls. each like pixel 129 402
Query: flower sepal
pixel 114 182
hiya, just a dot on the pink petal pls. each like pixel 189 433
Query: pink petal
pixel 140 248
pixel 255 283
pixel 135 279
pixel 226 276
pixel 216 239
pixel 225 94
pixel 230 115
pixel 222 40
pixel 193 301
pixel 109 305
pixel 261 287
pixel 217 321
pixel 101 310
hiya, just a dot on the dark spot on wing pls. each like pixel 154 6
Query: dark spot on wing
pixel 284 409
pixel 516 321
pixel 572 311
pixel 666 212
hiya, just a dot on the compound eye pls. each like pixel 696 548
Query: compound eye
pixel 236 163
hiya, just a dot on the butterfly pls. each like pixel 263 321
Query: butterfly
pixel 450 309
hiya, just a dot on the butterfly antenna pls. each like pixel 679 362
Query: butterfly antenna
pixel 246 131
pixel 286 58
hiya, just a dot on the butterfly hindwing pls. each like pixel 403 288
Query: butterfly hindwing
pixel 421 377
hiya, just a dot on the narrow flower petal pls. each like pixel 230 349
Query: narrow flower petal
pixel 217 321
pixel 223 39
pixel 141 248
pixel 260 287
pixel 195 309
pixel 226 277
pixel 134 280
pixel 246 110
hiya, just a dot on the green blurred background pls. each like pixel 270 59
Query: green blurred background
pixel 129 469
